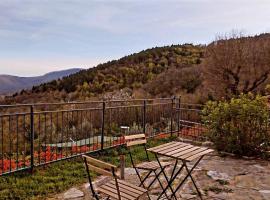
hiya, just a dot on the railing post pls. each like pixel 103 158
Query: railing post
pixel 144 116
pixel 103 125
pixel 178 115
pixel 32 136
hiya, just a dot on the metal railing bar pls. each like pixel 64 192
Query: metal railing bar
pixel 79 102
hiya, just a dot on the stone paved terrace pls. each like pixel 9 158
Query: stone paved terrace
pixel 218 178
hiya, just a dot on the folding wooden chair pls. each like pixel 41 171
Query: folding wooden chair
pixel 149 166
pixel 116 188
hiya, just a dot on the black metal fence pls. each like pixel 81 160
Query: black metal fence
pixel 38 134
pixel 190 122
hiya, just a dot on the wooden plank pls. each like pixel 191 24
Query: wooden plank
pixel 100 170
pixel 138 192
pixel 163 147
pixel 179 150
pixel 136 142
pixel 160 146
pixel 148 165
pixel 166 147
pixel 133 186
pixel 177 155
pixel 114 190
pixel 174 148
pixel 111 194
pixel 152 165
pixel 125 190
pixel 132 137
pixel 200 154
pixel 99 163
pixel 171 148
pixel 193 153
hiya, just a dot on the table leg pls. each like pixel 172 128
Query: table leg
pixel 169 182
pixel 193 181
pixel 153 181
pixel 174 168
pixel 144 179
pixel 160 183
pixel 189 175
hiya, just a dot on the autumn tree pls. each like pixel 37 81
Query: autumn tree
pixel 237 64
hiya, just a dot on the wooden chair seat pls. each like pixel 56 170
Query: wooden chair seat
pixel 152 165
pixel 127 191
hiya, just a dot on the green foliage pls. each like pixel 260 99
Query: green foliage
pixel 54 178
pixel 60 176
pixel 240 125
pixel 176 79
pixel 130 71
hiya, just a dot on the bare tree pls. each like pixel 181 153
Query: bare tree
pixel 237 64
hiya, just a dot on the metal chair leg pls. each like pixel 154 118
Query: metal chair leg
pixel 193 181
pixel 94 194
pixel 153 181
pixel 161 185
pixel 144 179
pixel 168 181
pixel 172 179
pixel 148 195
pixel 174 168
pixel 188 175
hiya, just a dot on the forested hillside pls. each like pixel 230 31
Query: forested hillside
pixel 223 69
pixel 129 73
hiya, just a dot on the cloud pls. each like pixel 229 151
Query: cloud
pixel 59 30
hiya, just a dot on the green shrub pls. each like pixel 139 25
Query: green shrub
pixel 239 125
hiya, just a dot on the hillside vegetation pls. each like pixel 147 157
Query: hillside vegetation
pixel 225 68
pixel 130 73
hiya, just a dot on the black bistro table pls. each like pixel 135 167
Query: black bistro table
pixel 184 153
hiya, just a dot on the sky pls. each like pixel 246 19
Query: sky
pixel 39 36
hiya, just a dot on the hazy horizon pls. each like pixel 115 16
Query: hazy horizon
pixel 40 37
pixel 66 69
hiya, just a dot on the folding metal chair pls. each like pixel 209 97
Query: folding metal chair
pixel 149 166
pixel 116 188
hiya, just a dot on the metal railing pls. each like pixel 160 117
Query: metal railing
pixel 37 134
pixel 190 122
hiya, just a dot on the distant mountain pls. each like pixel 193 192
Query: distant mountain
pixel 10 84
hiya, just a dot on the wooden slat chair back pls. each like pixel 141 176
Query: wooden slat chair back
pixel 117 189
pixel 135 140
pixel 99 166
pixel 132 140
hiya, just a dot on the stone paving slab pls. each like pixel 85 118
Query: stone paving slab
pixel 219 178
